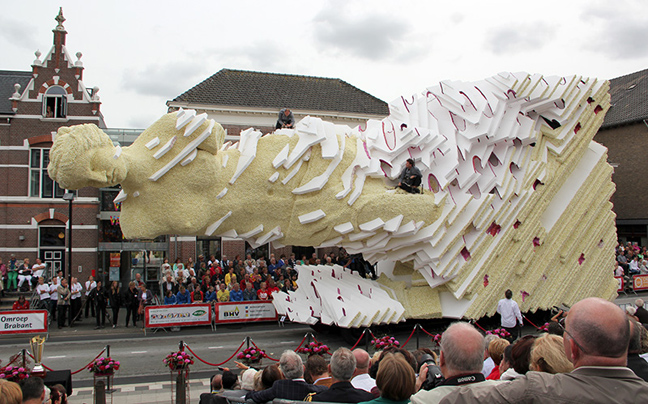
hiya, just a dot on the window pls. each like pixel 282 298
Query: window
pixel 40 184
pixel 55 103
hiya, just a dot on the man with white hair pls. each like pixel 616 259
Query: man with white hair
pixel 461 363
pixel 641 313
pixel 341 369
pixel 293 387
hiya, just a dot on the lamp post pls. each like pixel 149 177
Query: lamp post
pixel 69 196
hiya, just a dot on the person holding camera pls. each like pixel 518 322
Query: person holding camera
pixel 460 361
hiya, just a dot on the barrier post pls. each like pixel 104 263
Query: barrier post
pixel 247 342
pixel 416 329
pixel 24 353
pixel 108 351
pixel 181 347
pixel 364 334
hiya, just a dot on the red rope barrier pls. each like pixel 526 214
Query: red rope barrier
pixel 359 339
pixel 302 342
pixel 85 367
pixel 95 358
pixel 265 355
pixel 425 331
pixel 480 327
pixel 529 321
pixel 409 338
pixel 215 364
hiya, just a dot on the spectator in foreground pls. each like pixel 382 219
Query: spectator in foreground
pixel 641 313
pixel 489 364
pixel 170 298
pixel 636 363
pixel 395 380
pixel 341 369
pixel 496 349
pixel 597 333
pixel 33 390
pixel 361 378
pixel 10 392
pixel 461 362
pixel 293 387
pixel 548 355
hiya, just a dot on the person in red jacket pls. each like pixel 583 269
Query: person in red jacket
pixel 21 304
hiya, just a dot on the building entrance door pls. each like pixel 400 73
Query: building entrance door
pixel 54 259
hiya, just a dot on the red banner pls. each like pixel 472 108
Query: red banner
pixel 640 282
pixel 23 321
pixel 246 311
pixel 620 280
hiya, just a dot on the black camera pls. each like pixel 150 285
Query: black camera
pixel 434 375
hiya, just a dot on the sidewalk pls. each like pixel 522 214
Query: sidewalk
pixel 159 392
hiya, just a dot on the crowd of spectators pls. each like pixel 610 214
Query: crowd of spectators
pixel 631 259
pixel 213 280
pixel 595 354
pixel 31 391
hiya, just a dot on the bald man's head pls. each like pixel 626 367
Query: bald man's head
pixel 362 359
pixel 600 327
pixel 462 347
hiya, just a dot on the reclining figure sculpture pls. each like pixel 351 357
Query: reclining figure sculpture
pixel 515 195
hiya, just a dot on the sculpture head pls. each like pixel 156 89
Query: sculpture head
pixel 84 155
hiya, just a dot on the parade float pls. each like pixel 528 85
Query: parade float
pixel 516 195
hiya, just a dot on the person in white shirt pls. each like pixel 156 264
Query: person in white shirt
pixel 90 304
pixel 75 299
pixel 53 297
pixel 510 312
pixel 43 291
pixel 361 379
pixel 38 270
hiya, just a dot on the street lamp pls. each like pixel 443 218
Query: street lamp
pixel 69 196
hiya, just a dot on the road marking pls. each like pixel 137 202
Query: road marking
pixel 56 357
pixel 215 347
pixel 137 352
pixel 287 342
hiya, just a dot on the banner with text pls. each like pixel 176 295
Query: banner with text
pixel 239 312
pixel 179 315
pixel 640 282
pixel 23 321
pixel 620 281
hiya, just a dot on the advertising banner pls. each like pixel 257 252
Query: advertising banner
pixel 23 321
pixel 640 282
pixel 620 280
pixel 179 315
pixel 240 312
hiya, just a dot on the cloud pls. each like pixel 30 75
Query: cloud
pixel 515 39
pixel 620 34
pixel 164 79
pixel 18 33
pixel 372 36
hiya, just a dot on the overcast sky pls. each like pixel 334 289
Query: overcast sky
pixel 143 53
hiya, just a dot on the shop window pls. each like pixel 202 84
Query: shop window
pixel 55 103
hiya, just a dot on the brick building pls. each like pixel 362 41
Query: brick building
pixel 33 105
pixel 625 133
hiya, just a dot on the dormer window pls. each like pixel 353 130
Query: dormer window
pixel 55 102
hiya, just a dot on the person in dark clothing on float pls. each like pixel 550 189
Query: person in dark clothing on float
pixel 286 119
pixel 410 178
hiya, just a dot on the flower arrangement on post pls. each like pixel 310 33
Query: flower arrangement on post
pixel 436 338
pixel 545 327
pixel 500 332
pixel 178 360
pixel 14 373
pixel 103 366
pixel 314 348
pixel 251 355
pixel 385 342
